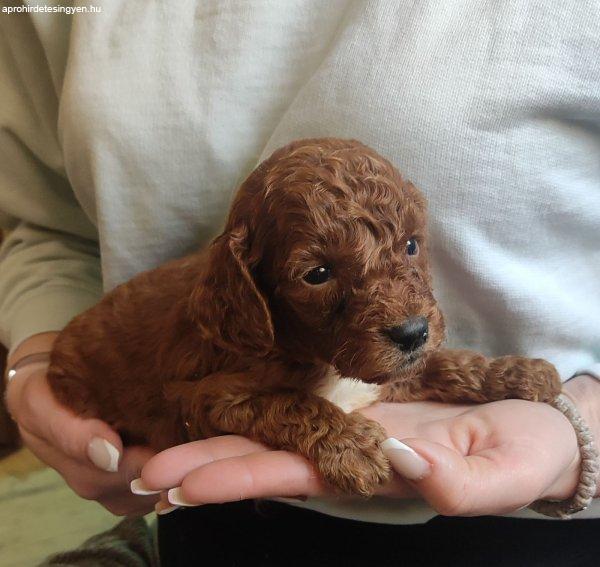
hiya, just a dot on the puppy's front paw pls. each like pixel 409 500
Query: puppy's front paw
pixel 352 461
pixel 532 379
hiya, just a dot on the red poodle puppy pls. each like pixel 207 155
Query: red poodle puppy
pixel 321 272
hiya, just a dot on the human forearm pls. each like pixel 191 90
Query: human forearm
pixel 46 278
pixel 49 260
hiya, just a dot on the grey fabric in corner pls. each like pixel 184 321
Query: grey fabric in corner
pixel 128 544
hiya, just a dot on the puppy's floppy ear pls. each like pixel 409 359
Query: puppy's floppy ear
pixel 226 304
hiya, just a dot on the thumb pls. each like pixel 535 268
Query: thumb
pixel 456 485
pixel 37 410
pixel 103 446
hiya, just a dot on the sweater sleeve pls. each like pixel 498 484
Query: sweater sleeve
pixel 592 370
pixel 49 260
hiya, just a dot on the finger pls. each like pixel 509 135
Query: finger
pixel 163 506
pixel 88 440
pixel 497 480
pixel 397 487
pixel 128 504
pixel 85 479
pixel 168 468
pixel 108 489
pixel 255 475
pixel 86 483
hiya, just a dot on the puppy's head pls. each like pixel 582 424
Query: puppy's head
pixel 324 257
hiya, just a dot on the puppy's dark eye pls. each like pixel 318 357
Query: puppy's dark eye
pixel 412 247
pixel 318 275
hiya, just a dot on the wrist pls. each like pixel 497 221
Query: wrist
pixel 29 356
pixel 42 342
pixel 27 364
pixel 32 356
pixel 584 391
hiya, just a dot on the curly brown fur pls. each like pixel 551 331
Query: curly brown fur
pixel 234 339
pixel 455 376
pixel 339 444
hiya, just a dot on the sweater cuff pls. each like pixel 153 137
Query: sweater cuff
pixel 49 310
pixel 592 370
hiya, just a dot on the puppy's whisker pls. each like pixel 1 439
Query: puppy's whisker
pixel 340 352
pixel 352 359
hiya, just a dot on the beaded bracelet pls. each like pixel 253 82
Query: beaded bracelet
pixel 590 467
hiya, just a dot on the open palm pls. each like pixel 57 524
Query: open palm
pixel 483 459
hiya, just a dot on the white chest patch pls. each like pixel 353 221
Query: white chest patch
pixel 348 394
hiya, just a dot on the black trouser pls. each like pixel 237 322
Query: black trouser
pixel 277 535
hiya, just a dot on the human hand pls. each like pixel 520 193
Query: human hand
pixel 480 459
pixel 498 457
pixel 87 453
pixel 493 458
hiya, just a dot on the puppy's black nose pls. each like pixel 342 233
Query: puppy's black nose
pixel 411 334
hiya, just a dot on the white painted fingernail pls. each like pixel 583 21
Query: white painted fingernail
pixel 175 497
pixel 405 460
pixel 137 487
pixel 103 454
pixel 163 509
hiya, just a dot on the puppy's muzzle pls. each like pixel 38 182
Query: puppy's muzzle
pixel 411 335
